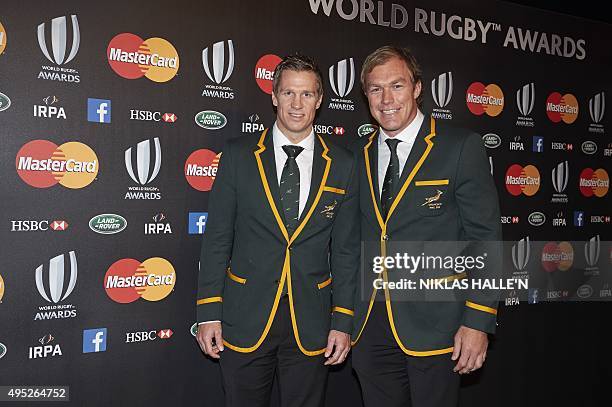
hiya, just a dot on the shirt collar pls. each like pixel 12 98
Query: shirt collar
pixel 409 134
pixel 281 140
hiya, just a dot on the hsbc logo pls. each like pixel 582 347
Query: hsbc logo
pixel 55 46
pixel 507 220
pixel 597 108
pixel 442 92
pixel 561 146
pixel 38 225
pixel 341 80
pixel 147 115
pixel 329 130
pixel 147 336
pixel 600 219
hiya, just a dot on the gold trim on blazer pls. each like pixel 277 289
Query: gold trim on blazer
pixel 481 307
pixel 344 311
pixel 431 182
pixel 286 273
pixel 334 190
pixel 209 300
pixel 234 277
pixel 324 283
pixel 383 236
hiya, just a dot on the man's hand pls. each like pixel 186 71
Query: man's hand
pixel 206 334
pixel 341 342
pixel 470 349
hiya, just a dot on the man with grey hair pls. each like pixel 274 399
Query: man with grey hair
pixel 280 253
pixel 420 181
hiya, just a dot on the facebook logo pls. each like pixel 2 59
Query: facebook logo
pixel 197 222
pixel 538 144
pixel 94 340
pixel 578 218
pixel 98 110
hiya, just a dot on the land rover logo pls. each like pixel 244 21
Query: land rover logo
pixel 365 129
pixel 211 120
pixel 194 329
pixel 536 219
pixel 491 140
pixel 107 224
pixel 589 147
pixel 5 102
pixel 584 291
pixel 2 350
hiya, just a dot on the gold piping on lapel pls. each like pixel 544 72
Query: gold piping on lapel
pixel 334 190
pixel 481 307
pixel 324 283
pixel 369 173
pixel 344 311
pixel 209 300
pixel 431 182
pixel 234 277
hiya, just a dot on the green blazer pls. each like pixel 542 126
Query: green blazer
pixel 247 256
pixel 447 193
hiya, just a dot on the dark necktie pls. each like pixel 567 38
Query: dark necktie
pixel 290 188
pixel 391 181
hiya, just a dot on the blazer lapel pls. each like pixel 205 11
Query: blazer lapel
pixel 317 173
pixel 416 152
pixel 370 152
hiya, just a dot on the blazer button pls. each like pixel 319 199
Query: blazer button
pixel 385 237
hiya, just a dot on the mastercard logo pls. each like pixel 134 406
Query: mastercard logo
pixel 42 164
pixel 201 169
pixel 594 182
pixel 264 71
pixel 131 57
pixel 485 99
pixel 562 108
pixel 128 280
pixel 557 256
pixel 522 180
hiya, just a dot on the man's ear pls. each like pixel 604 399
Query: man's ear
pixel 274 100
pixel 417 90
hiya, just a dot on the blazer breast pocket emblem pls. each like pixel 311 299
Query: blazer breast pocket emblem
pixel 328 211
pixel 432 202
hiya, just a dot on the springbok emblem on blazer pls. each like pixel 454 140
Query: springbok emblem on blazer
pixel 329 210
pixel 432 199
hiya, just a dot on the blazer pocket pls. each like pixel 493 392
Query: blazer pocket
pixel 431 199
pixel 431 182
pixel 234 277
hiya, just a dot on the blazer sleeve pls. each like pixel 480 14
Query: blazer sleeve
pixel 478 204
pixel 217 240
pixel 344 256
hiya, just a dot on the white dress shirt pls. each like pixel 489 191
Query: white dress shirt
pixel 407 138
pixel 304 161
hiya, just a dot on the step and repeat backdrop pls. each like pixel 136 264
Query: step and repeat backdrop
pixel 112 119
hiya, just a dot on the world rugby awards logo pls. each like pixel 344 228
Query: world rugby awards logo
pixel 217 70
pixel 525 100
pixel 341 80
pixel 442 92
pixel 597 108
pixel 143 164
pixel 54 284
pixel 520 254
pixel 591 254
pixel 560 176
pixel 59 45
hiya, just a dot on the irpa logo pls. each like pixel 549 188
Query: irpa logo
pixel 442 89
pixel 525 99
pixel 520 254
pixel 59 37
pixel 50 283
pixel 342 77
pixel 214 63
pixel 140 169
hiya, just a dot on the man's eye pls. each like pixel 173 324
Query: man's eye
pixel 374 90
pixel 398 86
